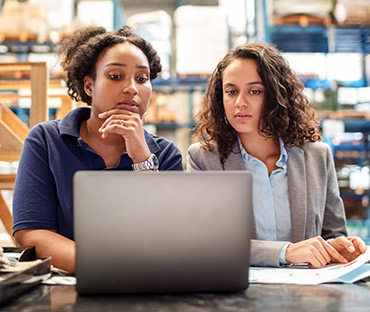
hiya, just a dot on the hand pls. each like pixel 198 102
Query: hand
pixel 349 247
pixel 314 251
pixel 132 131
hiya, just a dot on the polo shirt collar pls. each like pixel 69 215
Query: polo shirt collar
pixel 70 124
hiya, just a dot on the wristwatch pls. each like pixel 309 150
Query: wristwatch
pixel 150 164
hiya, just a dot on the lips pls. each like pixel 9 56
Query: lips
pixel 131 106
pixel 242 116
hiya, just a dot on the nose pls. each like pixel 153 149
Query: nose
pixel 241 101
pixel 130 87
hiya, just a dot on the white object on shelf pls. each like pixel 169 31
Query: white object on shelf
pixel 360 179
pixel 96 13
pixel 155 27
pixel 59 12
pixel 321 8
pixel 201 38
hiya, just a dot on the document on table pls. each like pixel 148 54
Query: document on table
pixel 332 273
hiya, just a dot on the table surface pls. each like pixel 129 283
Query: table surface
pixel 258 297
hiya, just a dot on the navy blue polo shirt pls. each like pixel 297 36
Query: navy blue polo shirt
pixel 53 151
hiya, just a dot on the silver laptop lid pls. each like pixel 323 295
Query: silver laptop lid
pixel 162 232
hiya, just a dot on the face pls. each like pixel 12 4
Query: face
pixel 243 95
pixel 122 80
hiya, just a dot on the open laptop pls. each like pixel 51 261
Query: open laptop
pixel 162 232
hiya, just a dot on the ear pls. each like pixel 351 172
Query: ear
pixel 88 85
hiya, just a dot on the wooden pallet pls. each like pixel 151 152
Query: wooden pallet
pixel 343 114
pixel 303 20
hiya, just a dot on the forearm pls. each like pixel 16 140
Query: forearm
pixel 266 253
pixel 49 244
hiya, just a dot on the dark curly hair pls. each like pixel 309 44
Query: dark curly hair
pixel 286 112
pixel 81 49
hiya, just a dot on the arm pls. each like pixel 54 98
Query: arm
pixel 50 244
pixel 36 202
pixel 334 222
pixel 265 253
pixel 194 158
pixel 169 156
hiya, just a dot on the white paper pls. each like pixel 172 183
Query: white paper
pixel 344 273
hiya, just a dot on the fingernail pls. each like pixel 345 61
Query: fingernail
pixel 101 114
pixel 351 248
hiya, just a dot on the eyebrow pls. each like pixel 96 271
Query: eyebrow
pixel 124 65
pixel 249 83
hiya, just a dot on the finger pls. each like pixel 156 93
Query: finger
pixel 105 123
pixel 115 128
pixel 334 253
pixel 358 244
pixel 115 111
pixel 113 120
pixel 317 259
pixel 319 252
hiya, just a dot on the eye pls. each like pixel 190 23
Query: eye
pixel 142 79
pixel 255 92
pixel 115 76
pixel 230 92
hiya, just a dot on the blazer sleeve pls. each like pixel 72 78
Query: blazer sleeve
pixel 266 253
pixel 334 223
pixel 194 158
pixel 200 158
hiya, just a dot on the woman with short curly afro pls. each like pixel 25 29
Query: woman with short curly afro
pixel 111 72
pixel 255 117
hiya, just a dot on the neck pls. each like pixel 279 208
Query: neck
pixel 261 147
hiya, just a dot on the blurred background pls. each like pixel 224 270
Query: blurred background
pixel 327 43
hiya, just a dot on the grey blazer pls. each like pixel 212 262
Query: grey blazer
pixel 315 205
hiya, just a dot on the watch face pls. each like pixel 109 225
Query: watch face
pixel 151 163
pixel 155 161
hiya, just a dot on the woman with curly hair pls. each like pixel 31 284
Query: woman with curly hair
pixel 111 72
pixel 255 117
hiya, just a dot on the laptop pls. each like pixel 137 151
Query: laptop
pixel 165 232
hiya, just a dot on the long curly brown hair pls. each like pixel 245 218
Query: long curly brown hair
pixel 81 49
pixel 287 113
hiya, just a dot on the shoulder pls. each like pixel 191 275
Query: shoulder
pixel 318 147
pixel 159 142
pixel 44 128
pixel 197 150
pixel 313 149
pixel 201 158
pixel 168 154
pixel 316 156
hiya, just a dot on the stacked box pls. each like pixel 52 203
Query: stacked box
pixel 356 12
pixel 22 21
pixel 320 8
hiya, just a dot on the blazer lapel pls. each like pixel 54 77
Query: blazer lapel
pixel 297 192
pixel 235 159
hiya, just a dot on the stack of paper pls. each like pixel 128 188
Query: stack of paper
pixel 332 273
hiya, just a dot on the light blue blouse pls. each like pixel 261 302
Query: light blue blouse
pixel 270 197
